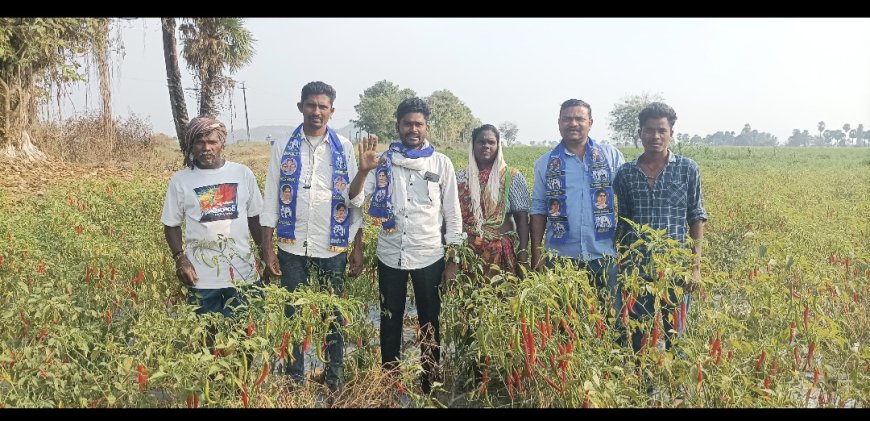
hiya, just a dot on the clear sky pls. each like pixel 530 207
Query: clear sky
pixel 717 73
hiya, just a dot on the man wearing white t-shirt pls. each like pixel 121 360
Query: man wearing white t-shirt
pixel 219 203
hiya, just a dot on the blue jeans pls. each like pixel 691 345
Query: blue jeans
pixel 604 274
pixel 329 272
pixel 218 300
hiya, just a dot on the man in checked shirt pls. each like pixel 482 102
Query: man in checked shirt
pixel 663 190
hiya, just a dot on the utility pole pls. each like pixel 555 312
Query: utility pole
pixel 245 98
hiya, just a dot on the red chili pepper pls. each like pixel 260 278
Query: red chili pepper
pixel 773 367
pixel 552 384
pixel 553 364
pixel 797 360
pixel 643 342
pixel 661 274
pixel 306 342
pixel 250 329
pixel 263 374
pixel 810 351
pixel 569 347
pixel 232 274
pixel 585 401
pixel 112 276
pixel 108 317
pixel 816 377
pixel 43 373
pixel 600 328
pixel 510 384
pixel 715 345
pixel 767 382
pixel 631 301
pixel 142 376
pixel 138 278
pixel 244 395
pixel 760 360
pixel 543 331
pixel 282 349
pixel 791 332
pixel 718 357
pixel 568 330
pixel 683 315
pixel 700 375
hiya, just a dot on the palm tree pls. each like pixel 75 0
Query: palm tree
pixel 173 79
pixel 821 129
pixel 211 47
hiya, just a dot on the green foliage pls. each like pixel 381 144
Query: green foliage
pixel 786 269
pixel 377 109
pixel 624 122
pixel 451 120
pixel 37 54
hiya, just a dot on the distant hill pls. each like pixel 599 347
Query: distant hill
pixel 261 133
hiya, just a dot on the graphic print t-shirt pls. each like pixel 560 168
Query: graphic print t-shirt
pixel 215 205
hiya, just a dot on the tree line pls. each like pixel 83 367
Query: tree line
pixel 39 56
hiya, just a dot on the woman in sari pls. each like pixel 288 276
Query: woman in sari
pixel 489 191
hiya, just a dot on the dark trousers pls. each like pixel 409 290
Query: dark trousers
pixel 330 273
pixel 604 274
pixel 393 287
pixel 644 309
pixel 226 301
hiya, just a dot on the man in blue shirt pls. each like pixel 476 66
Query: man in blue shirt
pixel 662 190
pixel 564 198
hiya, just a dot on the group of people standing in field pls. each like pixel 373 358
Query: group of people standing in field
pixel 583 196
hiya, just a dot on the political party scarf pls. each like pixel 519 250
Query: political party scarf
pixel 598 172
pixel 290 169
pixel 381 208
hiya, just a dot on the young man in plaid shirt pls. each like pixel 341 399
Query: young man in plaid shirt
pixel 663 190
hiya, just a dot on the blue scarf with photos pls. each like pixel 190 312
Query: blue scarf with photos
pixel 598 174
pixel 290 170
pixel 381 208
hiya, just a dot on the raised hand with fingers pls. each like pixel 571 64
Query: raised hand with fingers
pixel 368 156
